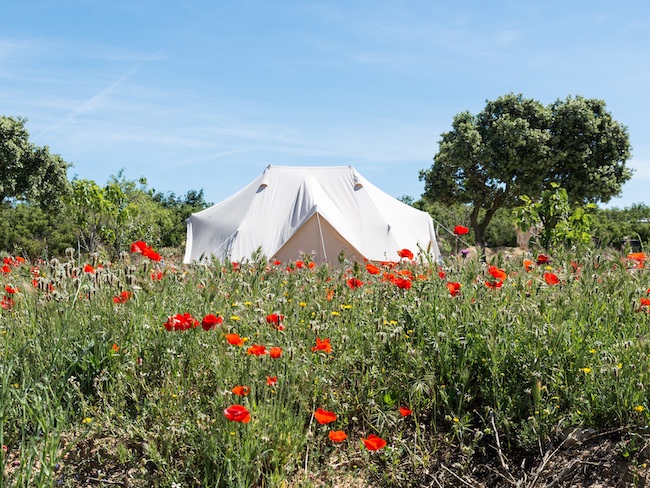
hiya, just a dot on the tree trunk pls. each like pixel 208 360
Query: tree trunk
pixel 477 227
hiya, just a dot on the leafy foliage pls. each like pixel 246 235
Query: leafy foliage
pixel 29 230
pixel 588 150
pixel 99 212
pixel 612 227
pixel 98 218
pixel 517 146
pixel 29 172
pixel 560 224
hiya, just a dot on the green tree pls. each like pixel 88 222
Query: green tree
pixel 588 150
pixel 560 223
pixel 113 216
pixel 99 212
pixel 517 146
pixel 180 207
pixel 29 172
pixel 613 226
pixel 28 230
pixel 486 160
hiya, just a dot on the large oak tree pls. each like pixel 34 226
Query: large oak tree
pixel 517 146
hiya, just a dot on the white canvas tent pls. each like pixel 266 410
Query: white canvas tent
pixel 323 211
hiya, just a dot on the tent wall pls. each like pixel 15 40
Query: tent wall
pixel 320 239
pixel 276 213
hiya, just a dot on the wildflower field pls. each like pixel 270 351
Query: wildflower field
pixel 146 372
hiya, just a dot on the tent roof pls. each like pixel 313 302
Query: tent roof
pixel 268 214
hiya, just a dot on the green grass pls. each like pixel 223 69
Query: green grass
pixel 90 387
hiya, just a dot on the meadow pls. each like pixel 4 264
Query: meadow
pixel 147 372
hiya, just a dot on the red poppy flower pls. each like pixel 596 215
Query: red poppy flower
pixel 14 261
pixel 460 230
pixel 115 347
pixel 274 318
pixel 543 259
pixel 89 269
pixel 235 340
pixel 337 435
pixel 7 303
pixel 645 302
pixel 403 283
pixel 271 380
pixel 241 390
pixel 256 350
pixel 637 256
pixel 405 253
pixel 11 290
pixel 374 443
pixel 275 352
pixel 322 345
pixel 181 322
pixel 138 246
pixel 494 284
pixel 354 283
pixel 5 269
pixel 324 416
pixel 156 276
pixel 210 321
pixel 442 275
pixel 277 262
pixel 122 297
pixel 454 288
pixel 237 413
pixel 151 254
pixel 499 274
pixel 299 264
pixel 528 264
pixel 551 279
pixel 372 269
pixel 405 411
pixel 141 247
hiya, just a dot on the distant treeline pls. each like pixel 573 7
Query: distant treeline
pixel 613 228
pixel 95 218
pixel 108 218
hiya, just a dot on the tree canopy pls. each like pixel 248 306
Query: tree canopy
pixel 29 172
pixel 518 146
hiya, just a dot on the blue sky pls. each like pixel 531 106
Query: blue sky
pixel 199 94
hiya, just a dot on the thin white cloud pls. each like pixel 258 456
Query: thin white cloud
pixel 100 99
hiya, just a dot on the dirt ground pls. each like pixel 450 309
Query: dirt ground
pixel 584 458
